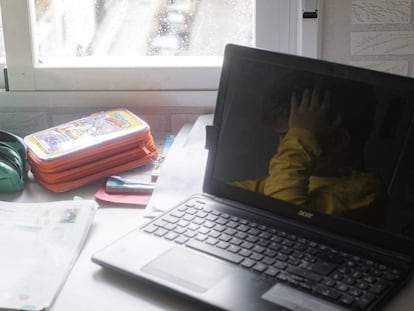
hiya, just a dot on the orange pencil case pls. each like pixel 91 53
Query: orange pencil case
pixel 81 151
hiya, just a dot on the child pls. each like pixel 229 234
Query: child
pixel 322 133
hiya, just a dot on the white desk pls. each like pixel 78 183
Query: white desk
pixel 89 287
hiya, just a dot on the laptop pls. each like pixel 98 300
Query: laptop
pixel 268 232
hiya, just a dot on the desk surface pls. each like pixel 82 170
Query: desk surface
pixel 89 287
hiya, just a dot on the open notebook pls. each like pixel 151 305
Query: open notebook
pixel 281 225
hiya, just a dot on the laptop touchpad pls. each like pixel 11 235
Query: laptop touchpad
pixel 188 269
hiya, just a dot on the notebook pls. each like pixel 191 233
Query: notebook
pixel 307 198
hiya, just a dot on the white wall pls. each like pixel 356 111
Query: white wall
pixel 376 34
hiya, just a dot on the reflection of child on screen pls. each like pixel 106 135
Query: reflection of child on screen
pixel 322 131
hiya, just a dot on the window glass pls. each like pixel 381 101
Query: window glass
pixel 131 28
pixel 2 51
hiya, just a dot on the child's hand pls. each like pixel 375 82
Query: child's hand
pixel 312 113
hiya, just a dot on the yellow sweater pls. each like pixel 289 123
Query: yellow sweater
pixel 290 179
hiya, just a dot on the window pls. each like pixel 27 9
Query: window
pixel 2 54
pixel 148 45
pixel 139 28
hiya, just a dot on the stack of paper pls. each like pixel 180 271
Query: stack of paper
pixel 40 243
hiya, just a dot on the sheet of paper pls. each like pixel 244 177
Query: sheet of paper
pixel 40 243
pixel 182 172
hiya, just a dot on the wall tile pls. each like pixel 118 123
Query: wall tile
pixel 381 11
pixel 382 43
pixel 395 67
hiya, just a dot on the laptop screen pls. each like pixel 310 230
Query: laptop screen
pixel 326 143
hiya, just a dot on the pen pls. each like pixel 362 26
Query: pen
pixel 117 184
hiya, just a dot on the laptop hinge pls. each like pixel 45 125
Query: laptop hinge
pixel 211 136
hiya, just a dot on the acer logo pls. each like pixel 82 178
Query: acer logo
pixel 305 214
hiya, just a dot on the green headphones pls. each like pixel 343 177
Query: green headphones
pixel 12 162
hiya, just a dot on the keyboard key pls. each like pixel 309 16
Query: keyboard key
pixel 243 228
pixel 280 265
pixel 265 235
pixel 286 250
pixel 217 252
pixel 193 227
pixel 364 301
pixel 282 257
pixel 177 214
pixel 270 271
pixel 241 235
pixel 171 219
pixel 232 224
pixel 219 228
pixel 247 245
pixel 201 214
pixel 293 261
pixel 214 234
pixel 304 273
pixel 183 223
pixel 212 217
pixel 347 299
pixel 198 221
pixel 222 244
pixel 230 231
pixel 379 287
pixel 268 261
pixel 171 236
pixel 180 230
pixel 263 242
pixel 269 253
pixel 160 223
pixel 252 239
pixel 150 228
pixel 211 241
pixel 254 231
pixel 181 239
pixel 170 226
pixel 320 267
pixel 234 248
pixel 342 287
pixel 248 263
pixel 256 256
pixel 236 241
pixel 245 252
pixel 225 237
pixel 201 237
pixel 326 291
pixel 258 249
pixel 189 217
pixel 274 246
pixel 160 232
pixel 190 234
pixel 259 267
pixel 209 224
pixel 355 292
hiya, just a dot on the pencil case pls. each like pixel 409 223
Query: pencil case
pixel 84 150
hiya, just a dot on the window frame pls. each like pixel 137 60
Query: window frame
pixel 279 31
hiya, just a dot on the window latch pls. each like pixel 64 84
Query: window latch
pixel 310 8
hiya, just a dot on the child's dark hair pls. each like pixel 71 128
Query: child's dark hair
pixel 354 102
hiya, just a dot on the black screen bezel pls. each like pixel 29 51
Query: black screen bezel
pixel 365 234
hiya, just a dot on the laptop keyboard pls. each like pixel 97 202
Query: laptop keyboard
pixel 313 267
